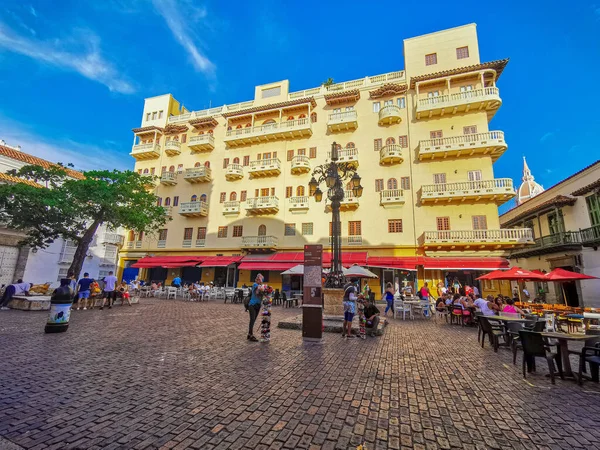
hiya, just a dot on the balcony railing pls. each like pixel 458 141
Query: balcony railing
pixel 300 164
pixel 566 240
pixel 354 240
pixel 298 203
pixel 202 143
pixel 498 190
pixel 168 178
pixel 478 99
pixel 193 209
pixel 197 174
pixel 172 148
pixel 231 208
pixel 349 155
pixel 262 205
pixel 477 238
pixel 350 202
pixel 138 244
pixel 162 243
pixel 259 242
pixel 272 131
pixel 234 172
pixel 113 238
pixel 490 143
pixel 145 151
pixel 391 197
pixel 390 154
pixel 265 168
pixel 129 244
pixel 200 242
pixel 390 114
pixel 168 210
pixel 590 237
pixel 108 262
pixel 186 243
pixel 342 121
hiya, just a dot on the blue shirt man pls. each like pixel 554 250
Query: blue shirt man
pixel 176 282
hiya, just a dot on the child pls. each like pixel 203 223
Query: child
pixel 123 290
pixel 94 293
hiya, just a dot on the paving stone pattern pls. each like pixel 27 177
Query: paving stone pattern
pixel 175 375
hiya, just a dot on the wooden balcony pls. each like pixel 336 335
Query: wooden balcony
pixel 298 204
pixel 390 155
pixel 234 172
pixel 342 121
pixel 349 203
pixel 200 174
pixel 290 129
pixel 390 115
pixel 172 148
pixel 300 164
pixel 498 191
pixel 391 197
pixel 265 168
pixel 168 211
pixel 486 99
pixel 558 242
pixel 476 239
pixel 491 143
pixel 168 178
pixel 590 237
pixel 202 143
pixel 262 205
pixel 193 209
pixel 346 155
pixel 259 243
pixel 231 208
pixel 113 238
pixel 142 152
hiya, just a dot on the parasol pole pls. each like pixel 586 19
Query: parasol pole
pixel 562 287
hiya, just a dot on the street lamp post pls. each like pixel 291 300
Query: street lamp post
pixel 333 174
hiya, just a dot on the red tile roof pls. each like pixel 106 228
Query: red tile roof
pixel 558 201
pixel 10 179
pixel 342 97
pixel 243 112
pixel 388 89
pixel 34 160
pixel 497 65
pixel 148 129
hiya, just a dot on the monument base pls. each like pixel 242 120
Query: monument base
pixel 332 302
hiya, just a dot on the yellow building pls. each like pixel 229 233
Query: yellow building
pixel 565 220
pixel 235 178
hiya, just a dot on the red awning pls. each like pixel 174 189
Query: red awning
pixel 166 261
pixel 490 263
pixel 288 257
pixel 219 261
pixel 348 259
pixel 266 266
pixel 394 262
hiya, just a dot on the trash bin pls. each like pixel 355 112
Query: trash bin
pixel 60 308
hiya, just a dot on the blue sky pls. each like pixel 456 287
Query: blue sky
pixel 75 73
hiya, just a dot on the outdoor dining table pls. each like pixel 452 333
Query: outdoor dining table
pixel 507 319
pixel 563 339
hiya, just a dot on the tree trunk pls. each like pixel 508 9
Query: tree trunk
pixel 82 249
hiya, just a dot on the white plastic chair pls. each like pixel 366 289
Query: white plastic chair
pixel 171 292
pixel 401 307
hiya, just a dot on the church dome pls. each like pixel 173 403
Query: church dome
pixel 529 188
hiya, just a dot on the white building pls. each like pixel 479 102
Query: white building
pixel 49 264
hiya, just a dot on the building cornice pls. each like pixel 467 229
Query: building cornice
pixel 388 89
pixel 497 66
pixel 556 202
pixel 245 112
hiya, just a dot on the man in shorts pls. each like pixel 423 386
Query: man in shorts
pixel 349 303
pixel 83 290
pixel 110 290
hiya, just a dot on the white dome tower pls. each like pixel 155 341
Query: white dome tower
pixel 529 188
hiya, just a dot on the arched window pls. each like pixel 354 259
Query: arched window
pixel 176 138
pixel 236 160
pixel 338 146
pixel 159 201
pixel 290 118
pixel 248 125
pixel 268 122
pixel 203 198
pixel 350 145
pixel 132 235
pixel 302 116
pixel 172 169
pixel 194 198
pixel 211 131
pixel 238 127
pixel 228 128
pixel 313 117
pixel 207 164
pixel 392 183
pixel 390 141
pixel 168 201
pixel 262 230
pixel 232 197
pixel 146 171
pixel 140 236
pixel 300 191
pixel 201 133
pixel 197 164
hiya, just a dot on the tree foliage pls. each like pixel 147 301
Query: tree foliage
pixel 71 208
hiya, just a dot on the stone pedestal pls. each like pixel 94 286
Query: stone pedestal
pixel 32 303
pixel 332 302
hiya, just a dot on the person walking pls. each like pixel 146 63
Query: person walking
pixel 110 293
pixel 349 303
pixel 19 288
pixel 83 290
pixel 254 306
pixel 389 298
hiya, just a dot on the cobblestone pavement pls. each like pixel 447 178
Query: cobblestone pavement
pixel 171 374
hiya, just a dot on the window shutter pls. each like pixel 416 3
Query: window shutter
pixel 290 155
pixel 377 144
pixel 313 152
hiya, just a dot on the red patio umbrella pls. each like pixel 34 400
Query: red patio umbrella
pixel 562 276
pixel 514 273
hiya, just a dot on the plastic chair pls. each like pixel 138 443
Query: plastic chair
pixel 591 355
pixel 171 293
pixel 534 346
pixel 493 329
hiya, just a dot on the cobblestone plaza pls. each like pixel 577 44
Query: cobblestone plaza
pixel 172 374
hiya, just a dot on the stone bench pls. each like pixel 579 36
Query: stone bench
pixel 31 303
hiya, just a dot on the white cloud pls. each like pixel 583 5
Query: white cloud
pixel 32 11
pixel 64 150
pixel 547 136
pixel 178 17
pixel 88 61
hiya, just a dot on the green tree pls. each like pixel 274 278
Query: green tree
pixel 62 206
pixel 328 82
